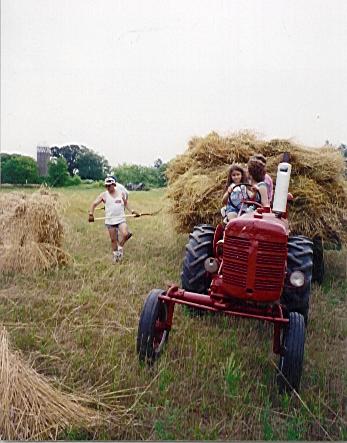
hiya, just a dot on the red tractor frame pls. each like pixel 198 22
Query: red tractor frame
pixel 251 268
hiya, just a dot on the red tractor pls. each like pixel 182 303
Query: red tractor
pixel 251 268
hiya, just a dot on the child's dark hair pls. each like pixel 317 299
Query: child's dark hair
pixel 259 157
pixel 256 169
pixel 236 167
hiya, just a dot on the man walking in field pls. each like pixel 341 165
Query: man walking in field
pixel 115 199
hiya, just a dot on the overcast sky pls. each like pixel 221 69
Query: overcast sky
pixel 136 79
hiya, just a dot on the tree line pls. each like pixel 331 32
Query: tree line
pixel 70 165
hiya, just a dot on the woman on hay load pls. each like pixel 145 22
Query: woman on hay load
pixel 257 172
pixel 267 178
pixel 115 199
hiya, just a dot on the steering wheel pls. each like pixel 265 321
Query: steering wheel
pixel 246 200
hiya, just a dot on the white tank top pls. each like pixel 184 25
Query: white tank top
pixel 114 208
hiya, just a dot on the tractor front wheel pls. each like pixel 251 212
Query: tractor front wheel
pixel 153 332
pixel 291 362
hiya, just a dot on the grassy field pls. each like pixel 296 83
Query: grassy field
pixel 78 325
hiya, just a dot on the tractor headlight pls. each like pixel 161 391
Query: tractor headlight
pixel 211 265
pixel 297 279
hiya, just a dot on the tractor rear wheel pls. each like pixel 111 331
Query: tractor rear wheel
pixel 291 362
pixel 152 332
pixel 194 277
pixel 318 261
pixel 300 258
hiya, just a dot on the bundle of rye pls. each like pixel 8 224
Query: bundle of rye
pixel 31 232
pixel 197 181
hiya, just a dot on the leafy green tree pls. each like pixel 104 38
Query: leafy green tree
pixel 18 169
pixel 162 179
pixel 161 175
pixel 151 176
pixel 58 173
pixel 87 162
pixel 4 157
pixel 91 165
pixel 73 181
pixel 129 173
pixel 71 153
pixel 106 166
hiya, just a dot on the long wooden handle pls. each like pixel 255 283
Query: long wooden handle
pixel 141 214
pixel 127 215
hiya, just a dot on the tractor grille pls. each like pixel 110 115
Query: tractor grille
pixel 268 262
pixel 270 266
pixel 235 261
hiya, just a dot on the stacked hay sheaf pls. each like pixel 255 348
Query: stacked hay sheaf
pixel 31 232
pixel 198 177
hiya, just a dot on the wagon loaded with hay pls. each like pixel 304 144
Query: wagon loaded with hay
pixel 198 177
pixel 31 232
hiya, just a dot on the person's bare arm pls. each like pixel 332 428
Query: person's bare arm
pixel 95 203
pixel 225 198
pixel 264 197
pixel 126 205
pixel 226 194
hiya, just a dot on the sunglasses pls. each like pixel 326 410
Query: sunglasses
pixel 112 184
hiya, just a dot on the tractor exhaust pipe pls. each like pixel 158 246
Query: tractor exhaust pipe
pixel 282 185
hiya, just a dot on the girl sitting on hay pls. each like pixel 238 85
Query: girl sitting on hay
pixel 236 192
pixel 233 197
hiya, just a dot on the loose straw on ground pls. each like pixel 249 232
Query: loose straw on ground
pixel 30 407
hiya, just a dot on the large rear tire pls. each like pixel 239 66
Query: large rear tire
pixel 318 261
pixel 152 334
pixel 291 362
pixel 300 258
pixel 194 277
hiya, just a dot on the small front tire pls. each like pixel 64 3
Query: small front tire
pixel 291 362
pixel 153 332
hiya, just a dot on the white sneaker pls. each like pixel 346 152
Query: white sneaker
pixel 120 254
pixel 116 256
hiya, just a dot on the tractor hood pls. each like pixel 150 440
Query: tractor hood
pixel 259 226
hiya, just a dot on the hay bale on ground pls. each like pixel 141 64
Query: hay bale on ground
pixel 31 232
pixel 32 409
pixel 197 181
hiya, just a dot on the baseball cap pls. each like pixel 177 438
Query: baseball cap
pixel 110 181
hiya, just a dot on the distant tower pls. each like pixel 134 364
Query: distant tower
pixel 43 157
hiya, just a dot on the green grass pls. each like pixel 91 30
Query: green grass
pixel 216 378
